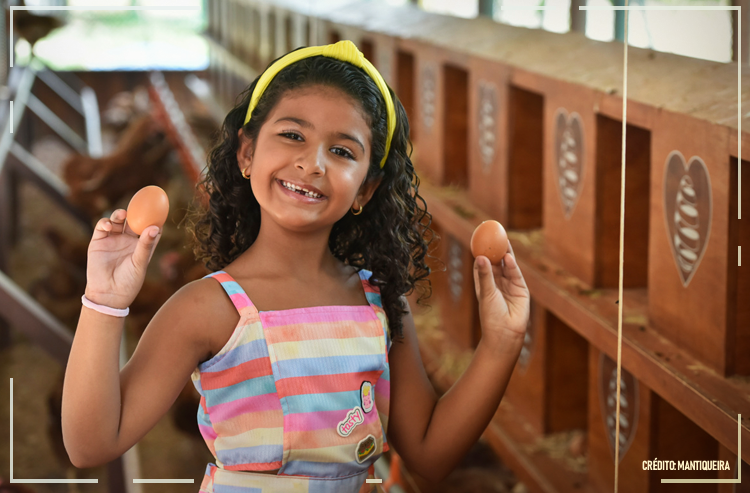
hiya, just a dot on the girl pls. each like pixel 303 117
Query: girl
pixel 314 235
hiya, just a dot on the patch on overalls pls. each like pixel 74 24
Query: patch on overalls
pixel 353 418
pixel 365 392
pixel 365 448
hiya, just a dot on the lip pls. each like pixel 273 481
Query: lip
pixel 300 197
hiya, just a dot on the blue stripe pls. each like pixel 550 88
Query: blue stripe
pixel 386 375
pixel 374 298
pixel 341 486
pixel 231 287
pixel 331 470
pixel 198 386
pixel 332 401
pixel 203 418
pixel 327 365
pixel 251 387
pixel 234 357
pixel 236 489
pixel 259 453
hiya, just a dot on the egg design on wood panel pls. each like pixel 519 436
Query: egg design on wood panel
pixel 455 268
pixel 528 338
pixel 487 124
pixel 569 158
pixel 429 89
pixel 687 211
pixel 608 400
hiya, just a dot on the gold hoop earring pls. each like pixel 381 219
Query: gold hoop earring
pixel 358 212
pixel 243 174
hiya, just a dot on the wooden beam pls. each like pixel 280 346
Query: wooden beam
pixel 744 24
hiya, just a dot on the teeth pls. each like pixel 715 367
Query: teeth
pixel 307 193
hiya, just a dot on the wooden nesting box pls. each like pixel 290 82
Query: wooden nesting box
pixel 698 296
pixel 505 146
pixel 650 428
pixel 440 111
pixel 454 289
pixel 582 179
pixel 549 386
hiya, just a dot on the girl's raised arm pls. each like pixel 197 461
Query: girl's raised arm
pixel 105 411
pixel 433 434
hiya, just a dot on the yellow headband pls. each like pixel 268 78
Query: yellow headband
pixel 345 51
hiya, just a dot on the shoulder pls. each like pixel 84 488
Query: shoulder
pixel 203 307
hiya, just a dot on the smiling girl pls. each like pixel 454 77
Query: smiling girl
pixel 300 342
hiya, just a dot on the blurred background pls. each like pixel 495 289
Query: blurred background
pixel 105 102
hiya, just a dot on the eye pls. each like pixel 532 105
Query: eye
pixel 346 154
pixel 285 134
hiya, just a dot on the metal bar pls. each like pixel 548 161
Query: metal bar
pixel 60 88
pixel 56 124
pixel 35 171
pixel 21 79
pixel 93 124
pixel 25 314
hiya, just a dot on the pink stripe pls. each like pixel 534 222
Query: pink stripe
pixel 318 314
pixel 320 420
pixel 228 410
pixel 240 300
pixel 207 432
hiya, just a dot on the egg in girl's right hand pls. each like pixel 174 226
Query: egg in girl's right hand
pixel 148 207
pixel 491 240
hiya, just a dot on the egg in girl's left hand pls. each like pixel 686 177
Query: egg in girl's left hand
pixel 148 207
pixel 491 240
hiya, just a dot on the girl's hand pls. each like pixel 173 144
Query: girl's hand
pixel 117 261
pixel 504 300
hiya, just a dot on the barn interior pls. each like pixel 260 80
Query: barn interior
pixel 639 300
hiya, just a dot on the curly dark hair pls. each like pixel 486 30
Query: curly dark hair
pixel 390 237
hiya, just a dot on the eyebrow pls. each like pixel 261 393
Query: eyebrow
pixel 306 124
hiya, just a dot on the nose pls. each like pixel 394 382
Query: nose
pixel 313 162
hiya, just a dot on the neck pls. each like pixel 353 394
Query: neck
pixel 281 252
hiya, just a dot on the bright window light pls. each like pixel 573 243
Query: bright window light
pixel 459 8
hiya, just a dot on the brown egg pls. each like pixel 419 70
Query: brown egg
pixel 490 240
pixel 148 207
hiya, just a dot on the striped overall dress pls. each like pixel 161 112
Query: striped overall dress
pixel 304 390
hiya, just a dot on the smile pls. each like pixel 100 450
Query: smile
pixel 301 194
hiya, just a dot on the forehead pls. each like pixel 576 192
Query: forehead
pixel 324 104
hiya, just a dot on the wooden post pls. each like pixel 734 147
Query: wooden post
pixel 744 23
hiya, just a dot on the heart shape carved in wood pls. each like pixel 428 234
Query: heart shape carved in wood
pixel 687 211
pixel 569 158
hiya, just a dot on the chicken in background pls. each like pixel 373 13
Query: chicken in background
pixel 97 184
pixel 60 290
pixel 125 107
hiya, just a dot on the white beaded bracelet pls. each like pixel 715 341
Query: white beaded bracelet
pixel 107 310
